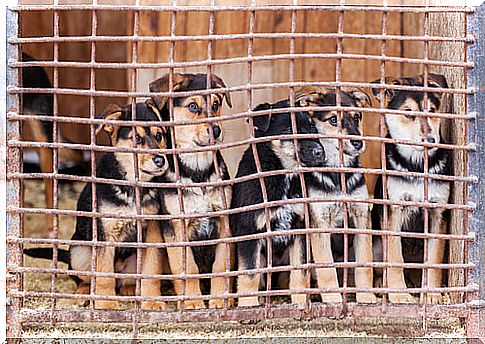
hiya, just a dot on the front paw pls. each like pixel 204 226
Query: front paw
pixel 102 304
pixel 434 298
pixel 128 290
pixel 401 298
pixel 251 301
pixel 298 299
pixel 332 298
pixel 219 303
pixel 153 305
pixel 366 298
pixel 193 304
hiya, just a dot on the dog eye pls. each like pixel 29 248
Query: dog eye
pixel 215 106
pixel 333 121
pixel 193 107
pixel 158 137
pixel 409 116
pixel 432 110
pixel 139 140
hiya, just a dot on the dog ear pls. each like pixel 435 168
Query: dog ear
pixel 388 93
pixel 110 112
pixel 307 97
pixel 361 98
pixel 219 83
pixel 262 122
pixel 161 85
pixel 437 80
pixel 149 103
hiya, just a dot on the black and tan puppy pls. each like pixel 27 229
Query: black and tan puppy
pixel 273 155
pixel 120 199
pixel 410 158
pixel 42 131
pixel 195 167
pixel 329 247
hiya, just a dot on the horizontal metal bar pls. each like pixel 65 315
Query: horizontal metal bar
pixel 246 59
pixel 256 236
pixel 220 8
pixel 255 313
pixel 223 37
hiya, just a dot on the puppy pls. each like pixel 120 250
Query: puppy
pixel 327 247
pixel 120 199
pixel 410 158
pixel 273 155
pixel 42 131
pixel 195 167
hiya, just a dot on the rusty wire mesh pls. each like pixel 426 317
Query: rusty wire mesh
pixel 16 177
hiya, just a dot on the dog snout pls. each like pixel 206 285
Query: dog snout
pixel 318 153
pixel 311 153
pixel 159 161
pixel 357 144
pixel 216 130
pixel 431 139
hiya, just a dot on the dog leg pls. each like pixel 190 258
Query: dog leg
pixel 218 284
pixel 152 265
pixel 395 276
pixel 192 286
pixel 436 250
pixel 326 277
pixel 82 289
pixel 105 285
pixel 297 277
pixel 249 257
pixel 363 253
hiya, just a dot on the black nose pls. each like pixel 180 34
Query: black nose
pixel 357 144
pixel 318 153
pixel 431 139
pixel 216 130
pixel 159 161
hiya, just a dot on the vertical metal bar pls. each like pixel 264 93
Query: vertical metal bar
pixel 3 159
pixel 475 322
pixel 14 257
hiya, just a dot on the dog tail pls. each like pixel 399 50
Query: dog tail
pixel 48 253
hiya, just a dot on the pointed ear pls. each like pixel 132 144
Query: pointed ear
pixel 149 103
pixel 111 112
pixel 388 93
pixel 161 85
pixel 219 83
pixel 437 80
pixel 262 122
pixel 361 98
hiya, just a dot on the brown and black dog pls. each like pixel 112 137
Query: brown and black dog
pixel 195 167
pixel 327 248
pixel 410 158
pixel 115 198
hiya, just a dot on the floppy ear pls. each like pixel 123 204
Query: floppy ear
pixel 437 80
pixel 388 93
pixel 219 83
pixel 149 103
pixel 262 122
pixel 361 98
pixel 111 112
pixel 161 85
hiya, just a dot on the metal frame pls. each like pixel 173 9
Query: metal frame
pixel 474 239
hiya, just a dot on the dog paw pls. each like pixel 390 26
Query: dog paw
pixel 366 298
pixel 251 301
pixel 195 304
pixel 127 290
pixel 401 298
pixel 106 304
pixel 153 305
pixel 332 298
pixel 298 299
pixel 219 303
pixel 434 298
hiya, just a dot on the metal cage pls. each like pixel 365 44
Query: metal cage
pixel 466 207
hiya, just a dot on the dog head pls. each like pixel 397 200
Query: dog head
pixel 149 164
pixel 327 121
pixel 410 127
pixel 192 107
pixel 310 151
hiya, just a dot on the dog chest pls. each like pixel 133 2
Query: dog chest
pixel 412 189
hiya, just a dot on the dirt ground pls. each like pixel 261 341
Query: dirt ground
pixel 68 193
